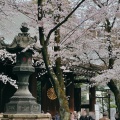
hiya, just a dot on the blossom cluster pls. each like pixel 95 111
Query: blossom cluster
pixel 5 79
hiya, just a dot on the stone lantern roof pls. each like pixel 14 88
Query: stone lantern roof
pixel 20 42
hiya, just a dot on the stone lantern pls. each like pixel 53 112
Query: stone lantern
pixel 22 102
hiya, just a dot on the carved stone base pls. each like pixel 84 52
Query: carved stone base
pixel 26 117
pixel 23 106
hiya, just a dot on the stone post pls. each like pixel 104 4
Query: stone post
pixel 26 117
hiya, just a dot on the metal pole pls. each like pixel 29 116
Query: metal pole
pixel 109 104
pixel 102 105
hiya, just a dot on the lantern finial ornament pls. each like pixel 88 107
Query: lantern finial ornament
pixel 24 27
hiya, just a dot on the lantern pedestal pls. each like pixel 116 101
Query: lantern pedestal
pixel 26 117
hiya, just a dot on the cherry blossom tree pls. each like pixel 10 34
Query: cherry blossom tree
pixel 105 42
pixel 111 32
pixel 64 37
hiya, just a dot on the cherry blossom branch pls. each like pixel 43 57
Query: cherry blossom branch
pixel 86 68
pixel 112 86
pixel 73 30
pixel 6 79
pixel 114 19
pixel 62 22
pixel 98 3
pixel 3 12
pixel 83 33
pixel 21 11
pixel 101 58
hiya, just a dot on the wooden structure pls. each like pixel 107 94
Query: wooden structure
pixel 73 94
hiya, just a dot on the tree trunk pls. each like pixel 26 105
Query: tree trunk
pixel 117 97
pixel 58 86
pixel 1 97
pixel 64 112
pixel 2 87
pixel 117 100
pixel 116 93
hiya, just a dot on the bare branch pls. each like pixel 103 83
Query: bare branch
pixel 24 13
pixel 3 12
pixel 74 29
pixel 113 87
pixel 101 58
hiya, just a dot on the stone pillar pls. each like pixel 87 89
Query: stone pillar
pixel 70 92
pixel 92 99
pixel 77 97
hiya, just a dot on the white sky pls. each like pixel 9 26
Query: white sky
pixel 15 28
